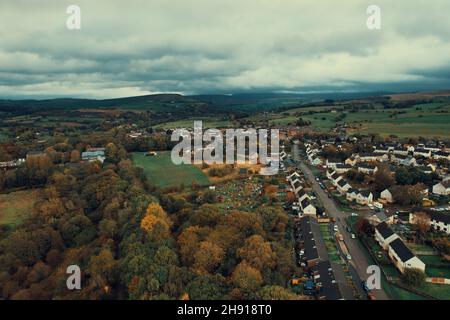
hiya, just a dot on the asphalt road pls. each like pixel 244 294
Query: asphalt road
pixel 359 260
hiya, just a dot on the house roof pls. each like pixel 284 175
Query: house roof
pixel 301 193
pixel 334 176
pixel 329 288
pixel 342 182
pixel 446 183
pixel 297 184
pixel 401 250
pixel 306 235
pixel 304 203
pixel 366 165
pixel 343 166
pixel 384 230
pixel 365 193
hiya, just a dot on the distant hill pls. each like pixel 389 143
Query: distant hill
pixel 159 103
pixel 208 103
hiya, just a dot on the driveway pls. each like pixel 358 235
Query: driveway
pixel 360 261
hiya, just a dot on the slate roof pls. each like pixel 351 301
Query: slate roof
pixel 401 250
pixel 384 230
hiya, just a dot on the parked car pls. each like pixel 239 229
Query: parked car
pixel 349 257
pixel 364 286
pixel 335 228
pixel 348 229
pixel 354 214
pixel 353 236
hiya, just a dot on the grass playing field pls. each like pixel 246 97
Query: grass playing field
pixel 15 207
pixel 163 173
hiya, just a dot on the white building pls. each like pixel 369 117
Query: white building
pixel 308 208
pixel 343 186
pixel 364 197
pixel 440 222
pixel 386 194
pixel 403 258
pixel 442 188
pixel 384 235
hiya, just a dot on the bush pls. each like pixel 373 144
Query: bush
pixel 413 277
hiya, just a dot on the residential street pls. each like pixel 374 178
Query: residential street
pixel 359 259
pixel 346 290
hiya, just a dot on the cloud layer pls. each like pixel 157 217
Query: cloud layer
pixel 201 46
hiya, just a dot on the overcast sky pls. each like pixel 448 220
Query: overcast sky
pixel 135 47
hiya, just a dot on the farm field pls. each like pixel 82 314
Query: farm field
pixel 427 119
pixel 15 207
pixel 207 122
pixel 161 172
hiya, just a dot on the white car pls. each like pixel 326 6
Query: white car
pixel 335 228
pixel 354 214
pixel 353 236
pixel 349 257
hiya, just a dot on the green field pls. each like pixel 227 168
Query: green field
pixel 162 173
pixel 207 122
pixel 427 120
pixel 15 207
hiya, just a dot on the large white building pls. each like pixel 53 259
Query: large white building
pixel 403 258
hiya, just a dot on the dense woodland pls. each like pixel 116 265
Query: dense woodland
pixel 131 240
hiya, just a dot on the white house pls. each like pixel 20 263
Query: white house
pixel 404 160
pixel 423 153
pixel 441 155
pixel 364 197
pixel 387 195
pixel 440 222
pixel 296 186
pixel 335 178
pixel 308 208
pixel 330 173
pixel 302 195
pixel 367 168
pixel 384 235
pixel 351 194
pixel 342 168
pixel 442 188
pixel 403 258
pixel 372 157
pixel 293 175
pixel 400 151
pixel 331 163
pixel 381 149
pixel 343 186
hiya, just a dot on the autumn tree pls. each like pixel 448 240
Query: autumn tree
pixel 383 179
pixel 246 277
pixel 363 226
pixel 156 223
pixel 208 257
pixel 277 293
pixel 257 253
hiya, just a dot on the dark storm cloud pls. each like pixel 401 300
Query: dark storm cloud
pixel 202 46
